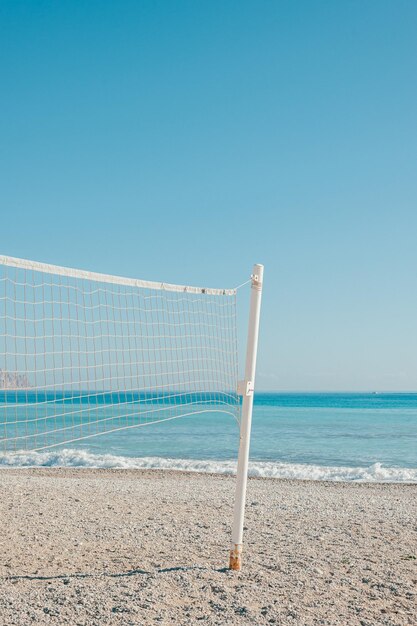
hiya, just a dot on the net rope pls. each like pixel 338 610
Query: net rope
pixel 84 354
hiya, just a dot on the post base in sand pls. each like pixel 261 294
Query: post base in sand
pixel 235 561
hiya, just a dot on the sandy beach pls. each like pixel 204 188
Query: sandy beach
pixel 93 547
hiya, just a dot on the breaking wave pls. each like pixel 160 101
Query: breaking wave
pixel 266 469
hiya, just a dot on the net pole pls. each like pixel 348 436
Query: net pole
pixel 235 562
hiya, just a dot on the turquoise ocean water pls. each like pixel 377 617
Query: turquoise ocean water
pixel 322 436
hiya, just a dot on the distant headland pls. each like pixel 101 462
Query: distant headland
pixel 13 380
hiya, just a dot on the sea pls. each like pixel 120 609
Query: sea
pixel 363 437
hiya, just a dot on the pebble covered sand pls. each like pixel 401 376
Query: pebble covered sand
pixel 129 547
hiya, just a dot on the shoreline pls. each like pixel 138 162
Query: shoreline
pixel 149 472
pixel 128 547
pixel 73 459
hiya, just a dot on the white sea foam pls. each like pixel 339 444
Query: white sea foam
pixel 267 469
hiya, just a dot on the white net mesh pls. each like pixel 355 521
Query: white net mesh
pixel 86 354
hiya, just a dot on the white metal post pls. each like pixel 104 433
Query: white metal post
pixel 245 428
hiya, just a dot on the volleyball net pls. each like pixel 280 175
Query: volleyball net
pixel 83 354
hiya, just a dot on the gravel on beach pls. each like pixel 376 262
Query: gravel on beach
pixel 92 547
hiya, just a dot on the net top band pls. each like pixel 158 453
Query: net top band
pixel 46 268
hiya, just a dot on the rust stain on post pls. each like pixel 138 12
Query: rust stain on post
pixel 235 561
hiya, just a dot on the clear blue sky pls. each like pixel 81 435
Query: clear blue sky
pixel 184 141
